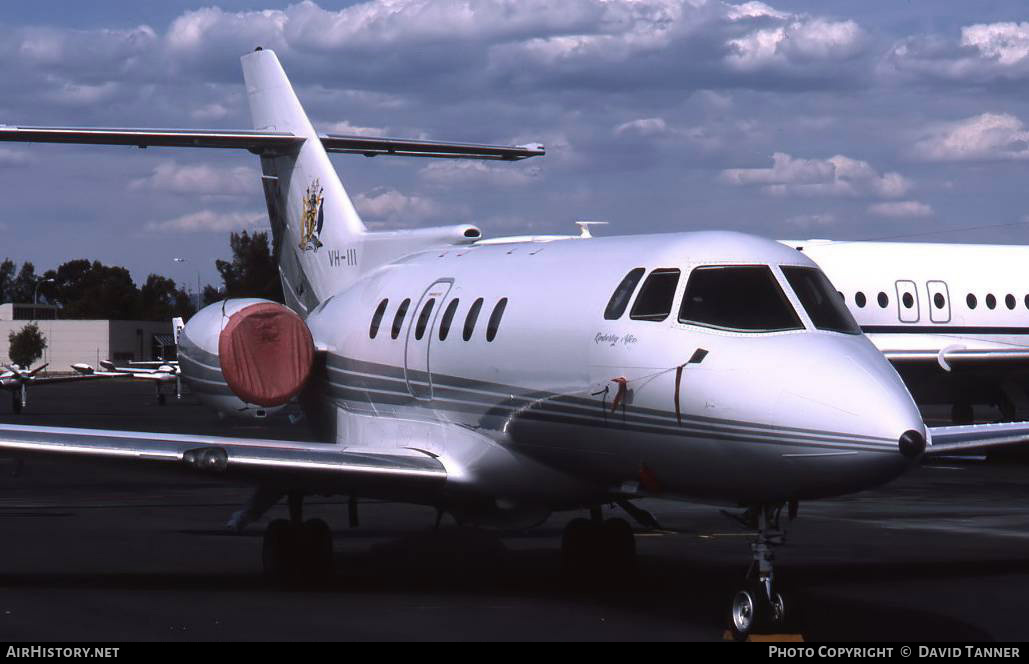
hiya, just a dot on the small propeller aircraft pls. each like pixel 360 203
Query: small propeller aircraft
pixel 16 380
pixel 164 373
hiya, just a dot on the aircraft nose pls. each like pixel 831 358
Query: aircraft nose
pixel 911 444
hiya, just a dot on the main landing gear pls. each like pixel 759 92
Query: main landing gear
pixel 295 550
pixel 758 606
pixel 593 545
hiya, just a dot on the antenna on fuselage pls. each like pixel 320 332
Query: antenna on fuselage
pixel 584 228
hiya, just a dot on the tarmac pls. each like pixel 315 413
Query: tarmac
pixel 89 554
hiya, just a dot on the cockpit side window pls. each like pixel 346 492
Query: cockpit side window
pixel 654 301
pixel 620 298
pixel 819 299
pixel 739 298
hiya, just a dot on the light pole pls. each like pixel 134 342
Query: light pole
pixel 184 260
pixel 35 293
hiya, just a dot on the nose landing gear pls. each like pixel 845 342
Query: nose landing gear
pixel 758 605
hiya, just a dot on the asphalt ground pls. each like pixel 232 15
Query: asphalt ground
pixel 92 554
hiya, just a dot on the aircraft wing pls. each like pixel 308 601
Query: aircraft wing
pixel 960 356
pixel 185 138
pixel 971 438
pixel 262 141
pixel 320 464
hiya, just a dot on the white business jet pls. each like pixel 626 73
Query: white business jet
pixel 952 318
pixel 501 382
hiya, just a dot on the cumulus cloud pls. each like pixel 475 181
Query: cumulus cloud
pixel 985 137
pixel 172 177
pixel 797 41
pixel 209 221
pixel 387 206
pixel 344 127
pixel 465 172
pixel 642 127
pixel 836 176
pixel 984 52
pixel 9 157
pixel 816 220
pixel 901 209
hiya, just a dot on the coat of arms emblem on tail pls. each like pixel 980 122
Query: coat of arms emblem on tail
pixel 311 224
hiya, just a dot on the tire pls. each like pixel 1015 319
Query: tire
pixel 316 549
pixel 748 612
pixel 619 545
pixel 278 550
pixel 576 548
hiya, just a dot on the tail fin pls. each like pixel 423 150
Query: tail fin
pixel 315 229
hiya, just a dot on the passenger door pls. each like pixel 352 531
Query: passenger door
pixel 939 301
pixel 907 302
pixel 418 342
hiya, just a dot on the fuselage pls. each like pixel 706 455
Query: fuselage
pixel 550 399
pixel 931 297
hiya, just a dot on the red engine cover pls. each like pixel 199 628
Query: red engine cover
pixel 266 353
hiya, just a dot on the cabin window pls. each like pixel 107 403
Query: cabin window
pixel 860 300
pixel 494 319
pixel 991 301
pixel 1027 301
pixel 883 299
pixel 469 321
pixel 1009 300
pixel 908 300
pixel 939 300
pixel 620 298
pixel 654 301
pixel 377 318
pixel 448 318
pixel 423 319
pixel 398 319
pixel 971 301
pixel 745 298
pixel 816 296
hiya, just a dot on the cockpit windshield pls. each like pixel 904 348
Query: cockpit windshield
pixel 740 298
pixel 823 304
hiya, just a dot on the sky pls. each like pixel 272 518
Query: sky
pixel 793 119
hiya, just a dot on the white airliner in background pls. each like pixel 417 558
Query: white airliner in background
pixel 503 381
pixel 952 318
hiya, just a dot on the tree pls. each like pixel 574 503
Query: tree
pixel 212 295
pixel 252 271
pixel 161 299
pixel 94 290
pixel 27 345
pixel 6 280
pixel 24 285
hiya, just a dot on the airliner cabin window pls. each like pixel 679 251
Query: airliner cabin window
pixel 860 300
pixel 971 301
pixel 423 319
pixel 939 301
pixel 654 301
pixel 494 319
pixel 816 295
pixel 991 301
pixel 909 301
pixel 1027 301
pixel 1009 300
pixel 398 319
pixel 377 318
pixel 620 298
pixel 469 321
pixel 448 318
pixel 883 299
pixel 740 298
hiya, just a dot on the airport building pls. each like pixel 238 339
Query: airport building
pixel 89 341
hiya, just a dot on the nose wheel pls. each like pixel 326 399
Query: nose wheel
pixel 758 606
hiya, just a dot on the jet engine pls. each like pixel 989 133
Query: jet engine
pixel 246 357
